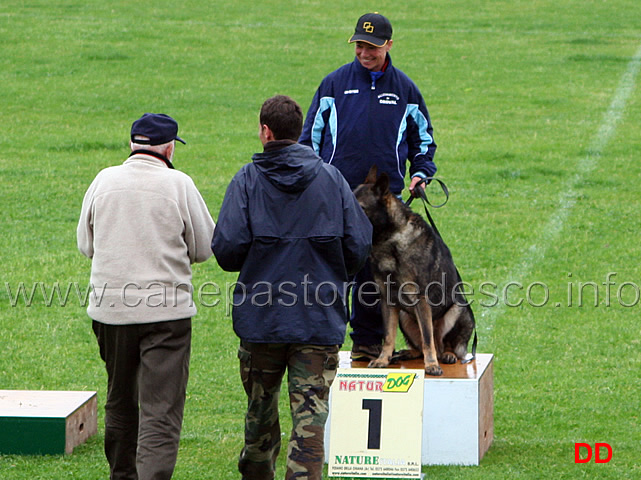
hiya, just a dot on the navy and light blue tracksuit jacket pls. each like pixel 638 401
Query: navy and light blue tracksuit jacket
pixel 356 121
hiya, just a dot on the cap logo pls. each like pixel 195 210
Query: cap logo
pixel 368 27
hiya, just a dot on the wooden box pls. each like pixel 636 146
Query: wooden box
pixel 45 422
pixel 458 413
pixel 458 410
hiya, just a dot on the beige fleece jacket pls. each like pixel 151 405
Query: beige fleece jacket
pixel 143 225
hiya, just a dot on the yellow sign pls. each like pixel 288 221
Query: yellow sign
pixel 375 423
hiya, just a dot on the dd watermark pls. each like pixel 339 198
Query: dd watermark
pixel 584 453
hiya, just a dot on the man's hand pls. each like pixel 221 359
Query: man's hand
pixel 413 185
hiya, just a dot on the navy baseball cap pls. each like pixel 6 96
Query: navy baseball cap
pixel 158 127
pixel 372 28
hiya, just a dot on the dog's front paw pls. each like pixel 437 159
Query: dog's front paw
pixel 380 362
pixel 433 370
pixel 448 358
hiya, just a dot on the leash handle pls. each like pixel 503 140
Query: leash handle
pixel 423 194
pixel 426 202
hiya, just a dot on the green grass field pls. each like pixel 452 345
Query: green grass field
pixel 536 109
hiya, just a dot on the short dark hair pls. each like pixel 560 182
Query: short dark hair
pixel 283 116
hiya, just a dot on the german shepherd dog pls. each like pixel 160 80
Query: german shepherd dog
pixel 418 281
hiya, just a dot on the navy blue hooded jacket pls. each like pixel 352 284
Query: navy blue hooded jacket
pixel 355 121
pixel 292 227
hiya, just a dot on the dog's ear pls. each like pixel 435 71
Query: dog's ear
pixel 381 187
pixel 371 176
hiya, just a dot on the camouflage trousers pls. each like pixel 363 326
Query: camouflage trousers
pixel 310 372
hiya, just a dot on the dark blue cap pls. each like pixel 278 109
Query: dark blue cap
pixel 372 28
pixel 158 127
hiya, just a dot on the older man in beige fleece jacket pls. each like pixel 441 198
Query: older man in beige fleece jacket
pixel 143 224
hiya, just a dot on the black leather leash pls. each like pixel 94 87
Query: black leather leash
pixel 423 196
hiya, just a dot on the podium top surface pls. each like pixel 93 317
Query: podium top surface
pixel 41 403
pixel 458 371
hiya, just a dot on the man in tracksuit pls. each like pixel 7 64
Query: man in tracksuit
pixel 370 113
pixel 292 227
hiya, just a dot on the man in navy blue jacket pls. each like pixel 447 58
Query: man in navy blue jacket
pixel 290 224
pixel 370 113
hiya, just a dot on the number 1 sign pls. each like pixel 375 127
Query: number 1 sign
pixel 376 419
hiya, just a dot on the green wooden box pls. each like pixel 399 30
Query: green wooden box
pixel 45 422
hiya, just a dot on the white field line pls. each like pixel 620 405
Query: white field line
pixel 568 195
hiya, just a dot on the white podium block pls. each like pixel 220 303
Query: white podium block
pixel 458 413
pixel 45 422
pixel 458 410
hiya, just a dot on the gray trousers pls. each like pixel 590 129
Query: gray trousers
pixel 147 368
